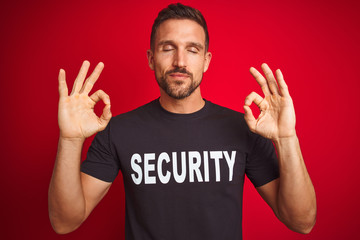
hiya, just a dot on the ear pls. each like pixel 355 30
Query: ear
pixel 207 60
pixel 150 57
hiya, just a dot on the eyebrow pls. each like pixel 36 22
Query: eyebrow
pixel 191 44
pixel 195 44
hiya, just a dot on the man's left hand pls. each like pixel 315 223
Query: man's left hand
pixel 277 114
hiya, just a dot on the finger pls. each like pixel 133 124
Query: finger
pixel 284 91
pixel 249 118
pixel 253 98
pixel 63 90
pixel 261 81
pixel 89 83
pixel 100 95
pixel 80 77
pixel 270 79
pixel 105 117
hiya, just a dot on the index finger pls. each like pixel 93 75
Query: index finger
pixel 89 83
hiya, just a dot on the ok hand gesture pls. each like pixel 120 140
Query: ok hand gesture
pixel 277 114
pixel 76 116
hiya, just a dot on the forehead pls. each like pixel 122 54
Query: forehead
pixel 180 30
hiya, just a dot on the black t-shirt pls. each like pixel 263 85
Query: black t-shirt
pixel 183 173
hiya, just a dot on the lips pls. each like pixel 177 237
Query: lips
pixel 179 75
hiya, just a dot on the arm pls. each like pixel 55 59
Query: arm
pixel 72 194
pixel 292 196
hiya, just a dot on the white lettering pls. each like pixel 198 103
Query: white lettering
pixel 192 162
pixel 194 166
pixel 206 166
pixel 163 178
pixel 136 158
pixel 230 162
pixel 216 155
pixel 149 167
pixel 179 178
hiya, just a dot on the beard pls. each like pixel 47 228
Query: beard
pixel 178 89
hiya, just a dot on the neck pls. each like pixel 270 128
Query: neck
pixel 190 104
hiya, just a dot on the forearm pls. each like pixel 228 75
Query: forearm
pixel 296 203
pixel 66 198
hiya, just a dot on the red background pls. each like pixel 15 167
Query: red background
pixel 315 43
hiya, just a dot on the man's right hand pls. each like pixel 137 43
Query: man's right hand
pixel 77 119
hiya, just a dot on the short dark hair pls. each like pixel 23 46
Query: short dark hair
pixel 179 11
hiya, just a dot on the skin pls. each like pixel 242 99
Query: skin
pixel 72 194
pixel 179 44
pixel 182 47
pixel 291 196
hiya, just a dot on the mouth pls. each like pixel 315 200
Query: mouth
pixel 179 76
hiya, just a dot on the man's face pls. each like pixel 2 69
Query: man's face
pixel 179 58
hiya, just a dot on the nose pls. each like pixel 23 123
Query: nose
pixel 179 59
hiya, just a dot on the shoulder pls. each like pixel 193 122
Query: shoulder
pixel 233 119
pixel 228 119
pixel 221 111
pixel 135 114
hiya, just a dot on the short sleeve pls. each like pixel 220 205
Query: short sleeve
pixel 262 163
pixel 100 162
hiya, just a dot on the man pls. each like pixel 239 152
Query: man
pixel 183 158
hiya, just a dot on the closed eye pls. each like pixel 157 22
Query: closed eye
pixel 193 50
pixel 168 48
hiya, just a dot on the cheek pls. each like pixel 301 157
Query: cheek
pixel 161 65
pixel 198 68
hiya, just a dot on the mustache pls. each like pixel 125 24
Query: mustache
pixel 179 70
